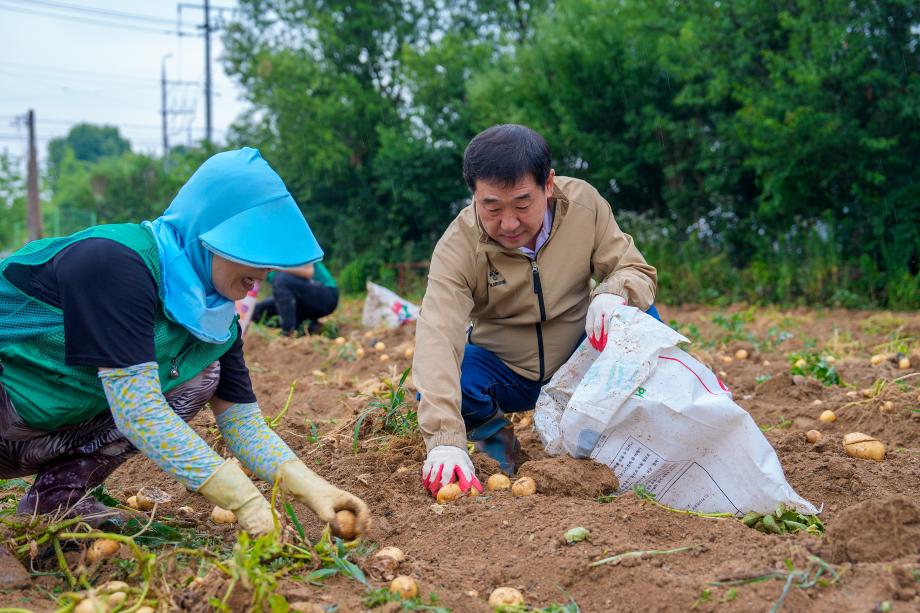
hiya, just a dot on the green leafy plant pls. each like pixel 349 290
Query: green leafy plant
pixel 382 596
pixel 817 573
pixel 782 424
pixel 391 406
pixel 783 520
pixel 813 364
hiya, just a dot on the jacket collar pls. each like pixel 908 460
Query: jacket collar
pixel 489 245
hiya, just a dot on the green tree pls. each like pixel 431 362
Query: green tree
pixel 85 143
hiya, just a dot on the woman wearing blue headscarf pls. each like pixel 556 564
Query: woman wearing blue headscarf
pixel 113 338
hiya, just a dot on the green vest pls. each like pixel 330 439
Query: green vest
pixel 48 394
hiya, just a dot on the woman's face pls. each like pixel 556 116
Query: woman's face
pixel 232 280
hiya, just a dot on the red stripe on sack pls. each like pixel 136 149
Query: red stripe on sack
pixel 661 357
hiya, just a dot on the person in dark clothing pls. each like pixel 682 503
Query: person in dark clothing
pixel 299 295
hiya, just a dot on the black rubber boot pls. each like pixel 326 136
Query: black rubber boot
pixel 64 490
pixel 496 438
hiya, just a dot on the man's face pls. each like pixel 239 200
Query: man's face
pixel 233 280
pixel 513 215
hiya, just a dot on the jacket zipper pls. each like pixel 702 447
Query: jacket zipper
pixel 538 290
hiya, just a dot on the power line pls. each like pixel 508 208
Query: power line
pixel 76 73
pixel 98 22
pixel 97 11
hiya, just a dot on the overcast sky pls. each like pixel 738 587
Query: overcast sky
pixel 98 61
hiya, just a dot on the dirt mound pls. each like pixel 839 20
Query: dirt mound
pixel 875 531
pixel 565 476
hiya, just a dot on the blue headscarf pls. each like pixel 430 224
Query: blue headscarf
pixel 236 206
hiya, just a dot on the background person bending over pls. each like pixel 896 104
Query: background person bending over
pixel 299 295
pixel 517 263
pixel 113 338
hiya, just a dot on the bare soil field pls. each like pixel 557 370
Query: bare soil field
pixel 868 559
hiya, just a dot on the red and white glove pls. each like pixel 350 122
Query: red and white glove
pixel 600 310
pixel 446 464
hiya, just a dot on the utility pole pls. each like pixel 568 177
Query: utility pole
pixel 207 69
pixel 35 215
pixel 163 110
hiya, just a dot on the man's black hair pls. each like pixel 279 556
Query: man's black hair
pixel 503 154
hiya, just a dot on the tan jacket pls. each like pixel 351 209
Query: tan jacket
pixel 531 314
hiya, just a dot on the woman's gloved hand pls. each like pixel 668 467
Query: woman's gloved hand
pixel 600 310
pixel 322 497
pixel 445 464
pixel 228 487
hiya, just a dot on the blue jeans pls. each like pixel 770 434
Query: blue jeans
pixel 489 389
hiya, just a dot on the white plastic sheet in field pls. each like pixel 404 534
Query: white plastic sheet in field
pixel 661 419
pixel 385 308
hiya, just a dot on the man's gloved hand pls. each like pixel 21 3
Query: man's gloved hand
pixel 601 310
pixel 322 497
pixel 229 488
pixel 446 464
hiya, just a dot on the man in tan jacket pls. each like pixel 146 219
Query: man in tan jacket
pixel 509 298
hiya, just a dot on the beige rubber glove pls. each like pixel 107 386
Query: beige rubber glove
pixel 322 497
pixel 228 487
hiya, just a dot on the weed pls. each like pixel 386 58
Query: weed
pixel 818 573
pixel 761 379
pixel 390 407
pixel 782 424
pixel 812 364
pixel 705 596
pixel 313 433
pixel 783 520
pixel 646 496
pixel 381 596
pixel 643 554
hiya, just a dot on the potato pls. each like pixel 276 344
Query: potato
pixel 340 340
pixel 904 363
pixel 525 486
pixel 379 346
pixel 801 363
pixel 877 359
pixel 384 357
pixel 114 586
pixel 505 597
pixel 827 416
pixel 391 552
pixel 102 549
pixel 727 359
pixel 132 502
pixel 887 407
pixel 498 481
pixel 405 586
pixel 816 403
pixel 116 598
pixel 813 436
pixel 369 334
pixel 222 516
pixel 89 605
pixel 148 497
pixel 863 446
pixel 409 352
pixel 741 354
pixel 830 359
pixel 345 525
pixel 306 607
pixel 145 609
pixel 359 352
pixel 449 493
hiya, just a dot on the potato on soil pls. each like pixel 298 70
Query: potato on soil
pixel 379 346
pixel 877 359
pixel 904 363
pixel 384 357
pixel 359 352
pixel 346 525
pixel 505 597
pixel 102 549
pixel 497 482
pixel 116 598
pixel 222 516
pixel 132 502
pixel 741 354
pixel 340 340
pixel 863 446
pixel 148 497
pixel 812 436
pixel 827 416
pixel 89 605
pixel 525 486
pixel 391 552
pixel 449 493
pixel 405 586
